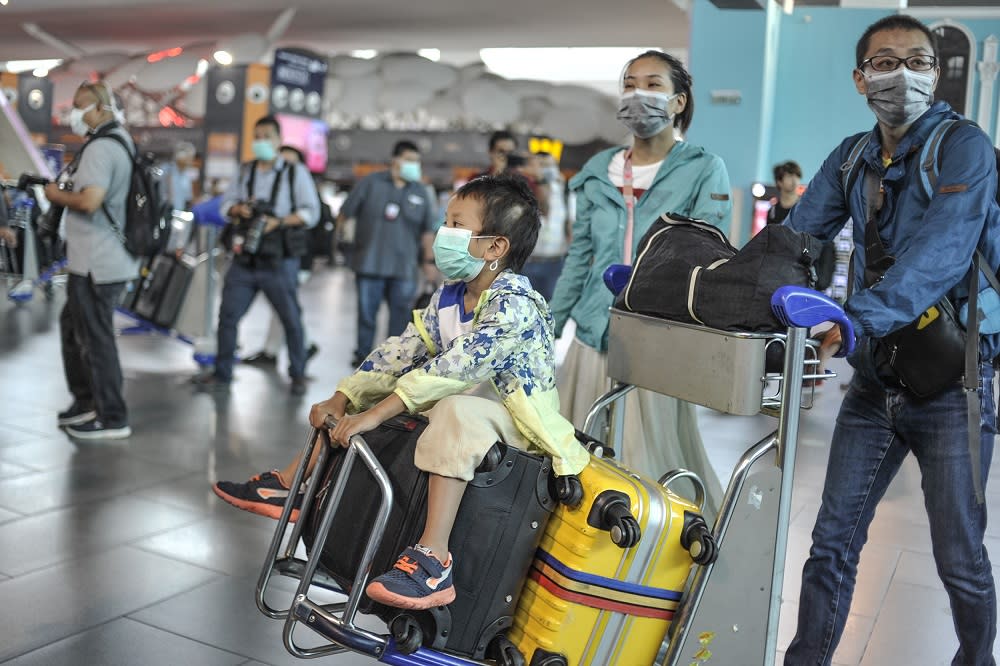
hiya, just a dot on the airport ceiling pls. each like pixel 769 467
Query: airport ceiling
pixel 328 26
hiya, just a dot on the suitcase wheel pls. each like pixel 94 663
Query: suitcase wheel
pixel 697 539
pixel 504 652
pixel 407 633
pixel 611 512
pixel 569 490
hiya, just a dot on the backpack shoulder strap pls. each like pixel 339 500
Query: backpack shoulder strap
pixel 131 158
pixel 849 170
pixel 930 153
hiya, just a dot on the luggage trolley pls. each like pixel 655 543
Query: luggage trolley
pixel 729 612
pixel 720 613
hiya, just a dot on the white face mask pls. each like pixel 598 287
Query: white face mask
pixel 899 97
pixel 77 124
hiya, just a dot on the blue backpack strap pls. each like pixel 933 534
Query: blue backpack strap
pixel 930 153
pixel 848 170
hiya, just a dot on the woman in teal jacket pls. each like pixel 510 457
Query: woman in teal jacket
pixel 664 174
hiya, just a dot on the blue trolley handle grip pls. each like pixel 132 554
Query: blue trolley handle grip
pixel 616 277
pixel 803 307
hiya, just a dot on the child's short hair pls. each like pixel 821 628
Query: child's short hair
pixel 509 210
pixel 787 168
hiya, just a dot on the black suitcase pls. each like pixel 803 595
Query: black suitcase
pixel 162 290
pixel 173 295
pixel 499 524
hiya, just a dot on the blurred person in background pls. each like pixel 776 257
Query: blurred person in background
pixel 546 262
pixel 284 196
pixel 502 144
pixel 395 220
pixel 98 265
pixel 787 178
pixel 175 181
pixel 268 356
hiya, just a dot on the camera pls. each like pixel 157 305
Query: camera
pixel 248 238
pixel 48 222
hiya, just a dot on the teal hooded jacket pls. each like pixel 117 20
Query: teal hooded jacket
pixel 691 182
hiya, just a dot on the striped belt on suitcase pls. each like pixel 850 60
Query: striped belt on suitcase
pixel 599 592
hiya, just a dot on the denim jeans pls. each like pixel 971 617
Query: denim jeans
pixel 280 286
pixel 543 274
pixel 372 290
pixel 90 355
pixel 876 428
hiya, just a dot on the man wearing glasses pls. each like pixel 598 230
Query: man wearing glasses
pixel 932 234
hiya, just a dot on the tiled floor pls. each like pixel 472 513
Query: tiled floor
pixel 119 554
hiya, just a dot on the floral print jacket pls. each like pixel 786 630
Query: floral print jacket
pixel 511 345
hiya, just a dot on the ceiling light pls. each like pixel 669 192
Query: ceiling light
pixel 560 64
pixel 3 3
pixel 223 57
pixel 431 54
pixel 40 72
pixel 366 54
pixel 201 68
pixel 18 66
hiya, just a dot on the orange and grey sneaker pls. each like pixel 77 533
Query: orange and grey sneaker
pixel 264 494
pixel 418 581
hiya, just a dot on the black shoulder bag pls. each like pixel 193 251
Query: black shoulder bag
pixel 927 355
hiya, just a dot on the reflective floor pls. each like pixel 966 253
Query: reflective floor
pixel 119 553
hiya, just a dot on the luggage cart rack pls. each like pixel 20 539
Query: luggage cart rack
pixel 725 370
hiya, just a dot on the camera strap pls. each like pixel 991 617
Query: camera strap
pixel 252 180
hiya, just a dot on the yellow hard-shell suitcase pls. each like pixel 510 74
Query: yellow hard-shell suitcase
pixel 608 574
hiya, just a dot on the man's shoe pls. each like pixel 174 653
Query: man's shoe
pixel 311 351
pixel 263 357
pixel 264 494
pixel 96 429
pixel 209 382
pixel 298 386
pixel 77 414
pixel 418 581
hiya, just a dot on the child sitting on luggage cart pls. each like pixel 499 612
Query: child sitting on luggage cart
pixel 479 361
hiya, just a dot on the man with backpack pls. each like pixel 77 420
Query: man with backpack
pixel 270 207
pixel 94 192
pixel 923 204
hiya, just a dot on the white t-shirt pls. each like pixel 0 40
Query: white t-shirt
pixel 454 322
pixel 642 175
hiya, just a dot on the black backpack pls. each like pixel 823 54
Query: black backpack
pixel 146 229
pixel 686 270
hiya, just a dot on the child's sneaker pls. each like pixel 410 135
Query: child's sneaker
pixel 418 581
pixel 264 494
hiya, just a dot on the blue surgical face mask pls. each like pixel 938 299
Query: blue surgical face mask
pixel 451 254
pixel 410 171
pixel 264 150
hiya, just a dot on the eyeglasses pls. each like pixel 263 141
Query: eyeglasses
pixel 888 63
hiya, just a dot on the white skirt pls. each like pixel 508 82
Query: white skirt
pixel 661 432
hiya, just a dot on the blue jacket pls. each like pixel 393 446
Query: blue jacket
pixel 932 238
pixel 691 181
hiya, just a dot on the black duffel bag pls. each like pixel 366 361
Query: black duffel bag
pixel 686 270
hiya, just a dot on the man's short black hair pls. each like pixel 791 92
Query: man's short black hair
pixel 404 146
pixel 893 22
pixel 786 168
pixel 501 135
pixel 269 120
pixel 509 210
